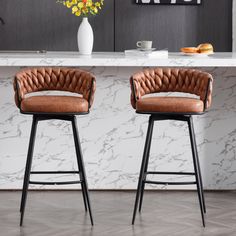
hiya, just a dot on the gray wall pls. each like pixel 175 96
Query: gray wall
pixel 174 26
pixel 43 24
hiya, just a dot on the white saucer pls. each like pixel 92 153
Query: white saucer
pixel 146 49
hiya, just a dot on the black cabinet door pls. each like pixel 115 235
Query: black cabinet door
pixel 44 24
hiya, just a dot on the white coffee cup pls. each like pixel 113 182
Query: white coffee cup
pixel 145 45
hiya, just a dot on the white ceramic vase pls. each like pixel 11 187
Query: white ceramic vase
pixel 85 37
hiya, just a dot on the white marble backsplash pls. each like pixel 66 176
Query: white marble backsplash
pixel 113 137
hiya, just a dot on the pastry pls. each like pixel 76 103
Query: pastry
pixel 189 50
pixel 205 48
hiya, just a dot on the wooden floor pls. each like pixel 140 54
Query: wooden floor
pixel 166 213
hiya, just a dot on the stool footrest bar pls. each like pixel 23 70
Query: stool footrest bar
pixel 55 183
pixel 169 183
pixel 53 172
pixel 168 173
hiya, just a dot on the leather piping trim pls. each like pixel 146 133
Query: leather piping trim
pixel 133 89
pixel 206 95
pixel 170 114
pixel 90 94
pixel 53 113
pixel 17 91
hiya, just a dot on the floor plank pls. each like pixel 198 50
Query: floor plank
pixel 61 213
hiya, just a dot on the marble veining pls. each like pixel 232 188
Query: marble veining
pixel 113 136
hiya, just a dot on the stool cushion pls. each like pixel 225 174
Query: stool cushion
pixel 54 104
pixel 170 105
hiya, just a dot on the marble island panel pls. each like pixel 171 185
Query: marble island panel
pixel 113 136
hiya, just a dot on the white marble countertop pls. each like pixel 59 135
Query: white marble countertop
pixel 20 58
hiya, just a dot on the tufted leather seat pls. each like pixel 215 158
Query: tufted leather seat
pixel 170 104
pixel 55 104
pixel 171 80
pixel 61 79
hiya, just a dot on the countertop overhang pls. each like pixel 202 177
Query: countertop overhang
pixel 113 59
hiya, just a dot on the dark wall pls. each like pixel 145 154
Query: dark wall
pixel 43 24
pixel 174 26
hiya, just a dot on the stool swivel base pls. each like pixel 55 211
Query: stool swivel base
pixel 144 166
pixel 81 170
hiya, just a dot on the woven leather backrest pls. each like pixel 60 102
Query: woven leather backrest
pixel 62 79
pixel 171 80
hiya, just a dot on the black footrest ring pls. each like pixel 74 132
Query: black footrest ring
pixel 169 183
pixel 55 183
pixel 53 172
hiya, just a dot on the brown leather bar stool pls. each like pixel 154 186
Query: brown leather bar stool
pixel 47 107
pixel 170 108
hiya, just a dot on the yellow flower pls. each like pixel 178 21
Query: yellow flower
pixel 83 7
pixel 78 13
pixel 68 4
pixel 98 4
pixel 74 9
pixel 89 4
pixel 80 5
pixel 95 10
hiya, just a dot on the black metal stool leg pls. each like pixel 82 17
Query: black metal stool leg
pixel 196 170
pixel 83 192
pixel 144 161
pixel 83 187
pixel 28 168
pixel 145 170
pixel 81 167
pixel 201 183
pixel 199 169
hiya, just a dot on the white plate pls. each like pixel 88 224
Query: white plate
pixel 197 54
pixel 146 50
